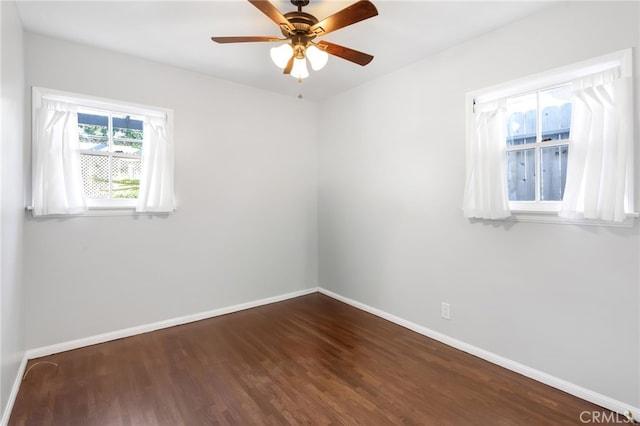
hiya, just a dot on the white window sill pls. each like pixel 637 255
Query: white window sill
pixel 552 217
pixel 102 212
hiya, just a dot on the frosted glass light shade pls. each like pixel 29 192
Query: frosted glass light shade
pixel 280 55
pixel 299 68
pixel 317 57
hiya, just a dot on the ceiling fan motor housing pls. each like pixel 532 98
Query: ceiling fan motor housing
pixel 300 40
pixel 302 22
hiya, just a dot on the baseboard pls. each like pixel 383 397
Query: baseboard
pixel 6 414
pixel 563 385
pixel 127 332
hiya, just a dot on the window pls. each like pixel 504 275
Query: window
pixel 97 153
pixel 110 155
pixel 558 143
pixel 537 147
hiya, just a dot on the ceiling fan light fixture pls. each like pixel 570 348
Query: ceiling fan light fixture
pixel 299 70
pixel 280 55
pixel 317 57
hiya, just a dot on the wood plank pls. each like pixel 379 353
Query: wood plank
pixel 309 360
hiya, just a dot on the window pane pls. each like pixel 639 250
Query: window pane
pixel 521 178
pixel 93 130
pixel 95 175
pixel 554 172
pixel 522 120
pixel 127 134
pixel 126 177
pixel 556 113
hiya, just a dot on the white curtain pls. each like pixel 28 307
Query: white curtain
pixel 485 194
pixel 57 180
pixel 156 182
pixel 600 166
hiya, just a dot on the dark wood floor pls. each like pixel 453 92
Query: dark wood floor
pixel 310 360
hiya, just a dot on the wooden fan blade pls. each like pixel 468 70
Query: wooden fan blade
pixel 357 12
pixel 355 56
pixel 242 39
pixel 274 14
pixel 289 67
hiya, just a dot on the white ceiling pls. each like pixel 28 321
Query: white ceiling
pixel 178 33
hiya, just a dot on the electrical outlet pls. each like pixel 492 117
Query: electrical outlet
pixel 445 310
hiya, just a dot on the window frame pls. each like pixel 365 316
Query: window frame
pixel 99 206
pixel 546 211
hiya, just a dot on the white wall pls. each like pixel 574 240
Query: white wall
pixel 12 346
pixel 562 299
pixel 245 227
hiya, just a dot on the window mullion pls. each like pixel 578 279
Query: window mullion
pixel 538 175
pixel 555 142
pixel 538 166
pixel 110 130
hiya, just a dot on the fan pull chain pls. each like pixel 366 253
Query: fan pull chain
pixel 300 92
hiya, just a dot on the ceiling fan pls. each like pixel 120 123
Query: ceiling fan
pixel 300 29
